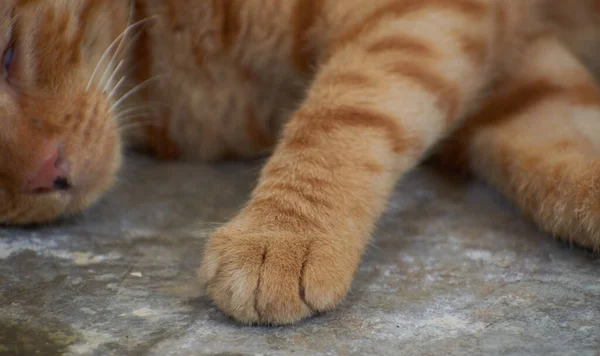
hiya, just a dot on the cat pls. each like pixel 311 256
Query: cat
pixel 347 96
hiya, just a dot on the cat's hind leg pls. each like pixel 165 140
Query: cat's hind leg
pixel 538 141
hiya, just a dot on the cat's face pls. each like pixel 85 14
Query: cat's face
pixel 59 142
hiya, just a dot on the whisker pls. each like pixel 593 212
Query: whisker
pixel 149 104
pixel 113 75
pixel 133 91
pixel 145 109
pixel 105 82
pixel 108 71
pixel 133 110
pixel 112 46
pixel 142 121
pixel 129 120
pixel 102 59
pixel 128 128
pixel 116 88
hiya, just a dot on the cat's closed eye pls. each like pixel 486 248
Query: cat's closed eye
pixel 9 55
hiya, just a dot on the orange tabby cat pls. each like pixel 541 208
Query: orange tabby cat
pixel 349 94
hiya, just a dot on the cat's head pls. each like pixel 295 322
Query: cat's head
pixel 59 141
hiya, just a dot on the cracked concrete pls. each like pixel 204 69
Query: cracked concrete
pixel 452 270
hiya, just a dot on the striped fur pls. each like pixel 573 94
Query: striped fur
pixel 347 95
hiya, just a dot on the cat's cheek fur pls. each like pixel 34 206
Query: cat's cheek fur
pixel 57 98
pixel 104 164
pixel 103 168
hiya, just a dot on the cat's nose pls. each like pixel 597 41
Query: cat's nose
pixel 52 174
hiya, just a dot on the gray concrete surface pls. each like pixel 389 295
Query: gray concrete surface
pixel 452 270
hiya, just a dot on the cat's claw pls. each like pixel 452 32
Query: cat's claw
pixel 273 279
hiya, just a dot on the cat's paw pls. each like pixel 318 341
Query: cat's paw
pixel 275 278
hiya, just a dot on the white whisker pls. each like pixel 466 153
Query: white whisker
pixel 148 104
pixel 133 91
pixel 116 41
pixel 112 76
pixel 139 109
pixel 134 126
pixel 130 122
pixel 103 81
pixel 126 120
pixel 140 120
pixel 116 88
pixel 139 123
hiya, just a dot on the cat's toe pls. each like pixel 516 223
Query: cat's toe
pixel 273 279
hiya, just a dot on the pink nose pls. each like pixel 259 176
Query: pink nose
pixel 51 176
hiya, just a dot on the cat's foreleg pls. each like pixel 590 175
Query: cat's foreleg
pixel 389 88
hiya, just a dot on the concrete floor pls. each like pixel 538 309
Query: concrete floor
pixel 453 270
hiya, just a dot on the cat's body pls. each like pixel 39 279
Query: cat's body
pixel 233 71
pixel 349 94
pixel 227 96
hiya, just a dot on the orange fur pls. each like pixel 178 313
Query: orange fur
pixel 358 93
